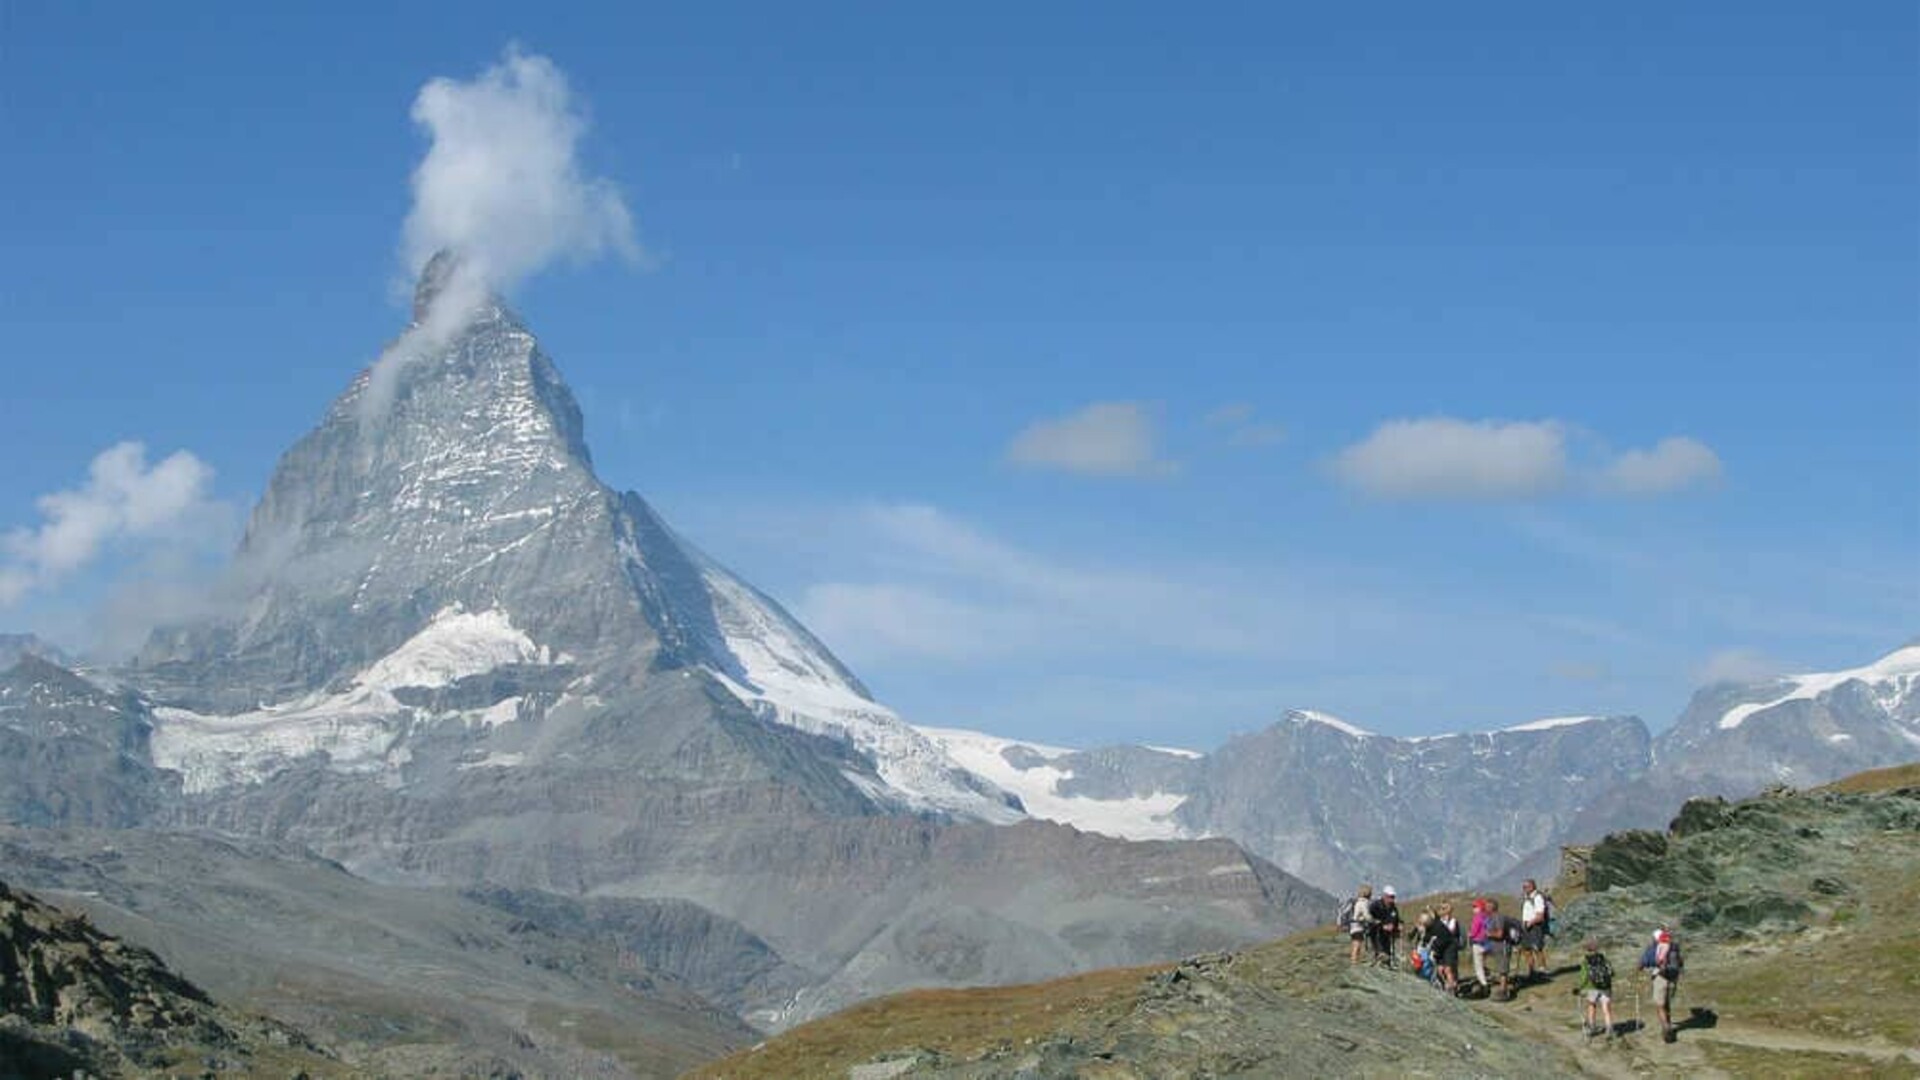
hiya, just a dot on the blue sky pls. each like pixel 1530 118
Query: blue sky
pixel 1083 374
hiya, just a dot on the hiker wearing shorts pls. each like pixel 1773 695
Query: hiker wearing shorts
pixel 1662 958
pixel 1503 936
pixel 1596 984
pixel 1359 921
pixel 1533 929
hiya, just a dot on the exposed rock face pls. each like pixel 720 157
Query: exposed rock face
pixel 1798 730
pixel 72 998
pixel 1735 740
pixel 1336 806
pixel 73 753
pixel 15 646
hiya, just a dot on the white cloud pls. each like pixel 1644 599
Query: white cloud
pixel 1675 464
pixel 1736 666
pixel 124 499
pixel 1109 438
pixel 502 182
pixel 502 188
pixel 1447 458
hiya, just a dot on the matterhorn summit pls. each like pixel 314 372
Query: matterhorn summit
pixel 438 562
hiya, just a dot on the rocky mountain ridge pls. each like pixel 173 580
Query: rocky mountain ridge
pixel 448 657
pixel 1336 804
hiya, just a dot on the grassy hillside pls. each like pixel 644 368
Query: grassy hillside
pixel 1796 911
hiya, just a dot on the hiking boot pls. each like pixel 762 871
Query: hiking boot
pixel 1668 1036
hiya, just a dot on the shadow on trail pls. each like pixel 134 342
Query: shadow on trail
pixel 1698 1019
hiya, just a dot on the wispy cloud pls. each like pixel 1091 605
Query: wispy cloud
pixel 1674 464
pixel 125 502
pixel 1446 458
pixel 934 588
pixel 1238 422
pixel 1110 438
pixel 1736 666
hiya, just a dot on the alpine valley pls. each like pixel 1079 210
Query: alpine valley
pixel 476 765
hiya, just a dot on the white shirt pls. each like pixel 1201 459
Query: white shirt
pixel 1535 909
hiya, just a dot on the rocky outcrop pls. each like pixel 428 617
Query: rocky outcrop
pixel 73 998
pixel 72 752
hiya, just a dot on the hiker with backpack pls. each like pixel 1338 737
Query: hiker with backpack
pixel 1596 983
pixel 1356 918
pixel 1662 958
pixel 1385 928
pixel 1503 936
pixel 1535 910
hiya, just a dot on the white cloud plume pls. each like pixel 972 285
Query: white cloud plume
pixel 1674 464
pixel 1446 458
pixel 503 189
pixel 1109 438
pixel 123 499
pixel 502 183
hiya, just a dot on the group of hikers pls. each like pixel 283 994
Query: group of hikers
pixel 1498 943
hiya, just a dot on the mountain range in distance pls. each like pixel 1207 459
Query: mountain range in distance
pixel 449 658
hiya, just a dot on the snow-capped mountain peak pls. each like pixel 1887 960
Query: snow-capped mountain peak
pixel 1892 680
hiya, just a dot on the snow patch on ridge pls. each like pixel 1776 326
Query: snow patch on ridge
pixel 359 728
pixel 1893 679
pixel 1551 722
pixel 1309 716
pixel 1138 818
pixel 789 678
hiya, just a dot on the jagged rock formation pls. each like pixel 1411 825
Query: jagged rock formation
pixel 75 999
pixel 1340 806
pixel 1337 805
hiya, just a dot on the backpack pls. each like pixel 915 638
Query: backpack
pixel 1546 904
pixel 1671 967
pixel 1599 972
pixel 1345 918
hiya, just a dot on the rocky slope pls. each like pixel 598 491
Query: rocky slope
pixel 74 999
pixel 72 752
pixel 398 981
pixel 1794 910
